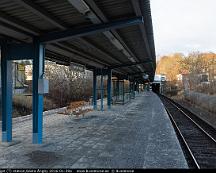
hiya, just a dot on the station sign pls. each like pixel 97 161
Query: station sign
pixel 21 67
pixel 77 67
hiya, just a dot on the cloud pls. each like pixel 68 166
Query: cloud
pixel 193 46
pixel 184 25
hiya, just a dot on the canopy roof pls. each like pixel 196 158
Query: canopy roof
pixel 113 34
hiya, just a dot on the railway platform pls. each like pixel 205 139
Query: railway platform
pixel 138 134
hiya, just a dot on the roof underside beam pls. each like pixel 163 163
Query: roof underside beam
pixel 138 73
pixel 73 57
pixel 84 53
pixel 65 52
pixel 93 13
pixel 102 52
pixel 73 33
pixel 130 64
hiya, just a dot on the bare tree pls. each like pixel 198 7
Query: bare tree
pixel 67 85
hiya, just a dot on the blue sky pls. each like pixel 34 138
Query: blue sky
pixel 184 26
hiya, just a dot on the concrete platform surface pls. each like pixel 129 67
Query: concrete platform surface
pixel 136 135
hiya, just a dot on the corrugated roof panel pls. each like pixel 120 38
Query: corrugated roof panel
pixel 107 46
pixel 17 11
pixel 133 38
pixel 64 11
pixel 115 8
pixel 90 51
pixel 65 15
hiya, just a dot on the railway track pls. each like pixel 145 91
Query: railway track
pixel 198 137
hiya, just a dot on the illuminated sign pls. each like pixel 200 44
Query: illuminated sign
pixel 20 67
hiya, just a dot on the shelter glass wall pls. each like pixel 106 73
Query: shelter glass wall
pixel 121 91
pixel 0 92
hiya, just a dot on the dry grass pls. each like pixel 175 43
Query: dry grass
pixel 204 101
pixel 24 101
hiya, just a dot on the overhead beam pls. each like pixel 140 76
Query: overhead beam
pixel 80 55
pixel 104 53
pixel 73 57
pixel 129 64
pixel 56 57
pixel 84 53
pixel 138 73
pixel 120 77
pixel 79 59
pixel 10 39
pixel 73 33
pixel 20 51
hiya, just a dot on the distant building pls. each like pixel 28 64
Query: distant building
pixel 179 77
pixel 159 78
pixel 28 72
pixel 18 74
pixel 158 84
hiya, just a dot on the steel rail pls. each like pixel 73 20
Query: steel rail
pixel 183 139
pixel 168 100
pixel 172 102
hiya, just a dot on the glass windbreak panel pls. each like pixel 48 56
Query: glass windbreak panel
pixel 22 87
pixel 127 94
pixel 118 91
pixel 0 92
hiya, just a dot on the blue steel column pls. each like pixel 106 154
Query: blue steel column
pixel 109 89
pixel 94 90
pixel 7 84
pixel 38 71
pixel 102 91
